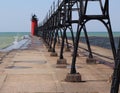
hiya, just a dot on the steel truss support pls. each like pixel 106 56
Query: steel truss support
pixel 85 18
pixel 51 41
pixel 58 39
pixel 62 18
pixel 61 59
pixel 49 38
pixel 72 34
pixel 54 44
pixel 116 74
pixel 67 43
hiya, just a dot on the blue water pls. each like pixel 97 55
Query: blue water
pixel 96 38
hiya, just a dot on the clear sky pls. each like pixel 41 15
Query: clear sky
pixel 15 15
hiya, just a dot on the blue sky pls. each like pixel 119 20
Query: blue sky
pixel 15 15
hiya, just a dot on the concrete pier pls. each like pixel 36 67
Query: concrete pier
pixel 33 70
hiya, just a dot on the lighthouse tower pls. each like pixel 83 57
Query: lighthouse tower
pixel 34 25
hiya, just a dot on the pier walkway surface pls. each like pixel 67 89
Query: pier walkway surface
pixel 33 70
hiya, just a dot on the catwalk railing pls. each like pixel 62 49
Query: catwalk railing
pixel 68 14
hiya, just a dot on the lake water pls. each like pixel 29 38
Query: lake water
pixel 100 39
pixel 8 38
pixel 96 38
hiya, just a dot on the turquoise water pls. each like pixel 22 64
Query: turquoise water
pixel 7 38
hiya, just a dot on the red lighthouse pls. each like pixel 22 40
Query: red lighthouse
pixel 34 25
